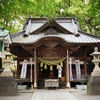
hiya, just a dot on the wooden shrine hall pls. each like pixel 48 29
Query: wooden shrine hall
pixel 51 47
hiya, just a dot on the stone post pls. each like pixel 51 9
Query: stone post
pixel 93 85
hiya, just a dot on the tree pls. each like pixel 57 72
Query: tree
pixel 87 13
pixel 13 13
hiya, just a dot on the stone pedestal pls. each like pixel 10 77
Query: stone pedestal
pixel 8 86
pixel 93 86
pixel 7 72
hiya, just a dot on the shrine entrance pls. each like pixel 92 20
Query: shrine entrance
pixel 52 62
pixel 47 73
pixel 51 56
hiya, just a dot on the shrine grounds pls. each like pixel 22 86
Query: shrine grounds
pixel 72 94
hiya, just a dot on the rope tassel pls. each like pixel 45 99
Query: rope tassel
pixel 45 67
pixel 41 65
pixel 51 68
pixel 61 64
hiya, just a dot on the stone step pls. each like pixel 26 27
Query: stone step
pixel 81 87
pixel 22 87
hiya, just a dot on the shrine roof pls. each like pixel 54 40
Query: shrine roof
pixel 4 35
pixel 67 29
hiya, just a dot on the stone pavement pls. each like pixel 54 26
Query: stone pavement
pixel 22 95
pixel 52 94
pixel 82 95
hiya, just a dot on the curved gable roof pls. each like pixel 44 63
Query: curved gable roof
pixel 68 26
pixel 33 24
pixel 36 25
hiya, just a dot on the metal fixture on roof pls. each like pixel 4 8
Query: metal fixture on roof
pixel 27 32
pixel 75 29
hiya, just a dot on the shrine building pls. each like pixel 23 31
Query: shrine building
pixel 49 46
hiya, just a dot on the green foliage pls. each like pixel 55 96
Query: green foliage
pixel 13 13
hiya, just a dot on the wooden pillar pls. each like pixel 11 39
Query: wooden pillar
pixel 0 63
pixel 31 76
pixel 67 71
pixel 18 70
pixel 35 71
pixel 85 64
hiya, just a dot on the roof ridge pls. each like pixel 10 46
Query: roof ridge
pixel 17 34
pixel 64 29
pixel 93 35
pixel 27 32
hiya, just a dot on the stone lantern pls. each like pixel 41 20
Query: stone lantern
pixel 93 85
pixel 8 86
pixel 96 60
pixel 7 63
pixel 5 39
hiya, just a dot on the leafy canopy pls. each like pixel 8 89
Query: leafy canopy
pixel 13 13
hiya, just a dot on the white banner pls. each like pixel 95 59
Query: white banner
pixel 78 70
pixel 24 69
pixel 59 72
pixel 70 65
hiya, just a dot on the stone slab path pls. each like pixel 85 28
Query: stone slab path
pixel 58 94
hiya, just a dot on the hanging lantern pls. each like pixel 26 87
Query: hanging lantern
pixel 45 67
pixel 41 65
pixel 51 68
pixel 61 64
